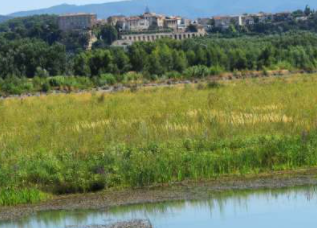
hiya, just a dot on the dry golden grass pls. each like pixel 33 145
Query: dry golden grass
pixel 87 123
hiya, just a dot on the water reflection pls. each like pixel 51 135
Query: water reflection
pixel 270 208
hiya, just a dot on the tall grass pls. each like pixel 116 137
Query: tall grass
pixel 9 197
pixel 91 141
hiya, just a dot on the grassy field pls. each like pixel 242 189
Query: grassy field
pixel 73 143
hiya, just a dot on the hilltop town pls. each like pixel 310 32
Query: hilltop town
pixel 146 27
pixel 151 26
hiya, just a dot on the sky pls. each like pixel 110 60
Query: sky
pixel 10 6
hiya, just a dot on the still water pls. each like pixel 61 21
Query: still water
pixel 289 208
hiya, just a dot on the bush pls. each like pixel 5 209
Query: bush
pixel 173 75
pixel 70 82
pixel 15 85
pixel 42 73
pixel 106 79
pixel 132 76
pixel 283 65
pixel 57 81
pixel 197 72
pixel 216 70
pixel 46 87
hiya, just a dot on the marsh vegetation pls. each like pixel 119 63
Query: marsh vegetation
pixel 74 143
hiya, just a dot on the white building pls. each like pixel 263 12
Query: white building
pixel 136 24
pixel 224 22
pixel 172 22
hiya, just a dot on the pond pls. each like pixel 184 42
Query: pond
pixel 291 208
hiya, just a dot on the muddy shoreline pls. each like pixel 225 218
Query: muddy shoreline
pixel 175 192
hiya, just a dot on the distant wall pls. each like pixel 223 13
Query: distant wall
pixel 130 39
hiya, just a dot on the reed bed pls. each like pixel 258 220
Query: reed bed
pixel 71 143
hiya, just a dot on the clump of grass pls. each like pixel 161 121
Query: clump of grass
pixel 201 86
pixel 15 196
pixel 213 84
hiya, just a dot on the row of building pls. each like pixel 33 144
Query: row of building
pixel 146 27
pixel 151 26
pixel 249 19
pixel 144 22
pixel 153 21
pixel 149 21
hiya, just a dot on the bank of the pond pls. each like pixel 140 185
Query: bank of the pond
pixel 174 192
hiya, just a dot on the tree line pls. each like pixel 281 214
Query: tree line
pixel 30 57
pixel 34 46
pixel 292 50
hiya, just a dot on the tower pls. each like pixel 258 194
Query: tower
pixel 147 10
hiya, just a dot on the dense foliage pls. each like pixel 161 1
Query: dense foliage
pixel 289 51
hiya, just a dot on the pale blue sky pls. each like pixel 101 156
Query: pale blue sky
pixel 10 6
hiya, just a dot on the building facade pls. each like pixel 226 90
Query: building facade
pixel 224 22
pixel 172 23
pixel 80 21
pixel 136 24
pixel 116 20
pixel 129 39
pixel 148 21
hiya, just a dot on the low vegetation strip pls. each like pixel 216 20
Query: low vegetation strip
pixel 75 143
pixel 9 197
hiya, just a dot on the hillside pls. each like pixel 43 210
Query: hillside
pixel 187 8
pixel 4 18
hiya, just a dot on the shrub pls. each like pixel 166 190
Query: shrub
pixel 46 87
pixel 173 75
pixel 15 85
pixel 283 65
pixel 40 72
pixel 132 76
pixel 70 83
pixel 106 79
pixel 216 70
pixel 57 81
pixel 197 72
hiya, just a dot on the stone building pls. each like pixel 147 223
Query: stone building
pixel 81 21
pixel 143 22
pixel 136 24
pixel 154 20
pixel 115 20
pixel 205 22
pixel 172 22
pixel 184 24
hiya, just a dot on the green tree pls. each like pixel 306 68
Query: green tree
pixel 180 61
pixel 137 56
pixel 81 65
pixel 121 59
pixel 108 34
